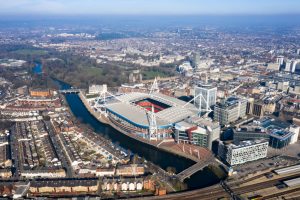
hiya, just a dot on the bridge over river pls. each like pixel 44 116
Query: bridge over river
pixel 195 168
pixel 70 91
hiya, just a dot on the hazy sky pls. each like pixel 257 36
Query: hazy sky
pixel 149 7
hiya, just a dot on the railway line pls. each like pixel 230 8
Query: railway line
pixel 263 185
pixel 217 192
pixel 210 193
pixel 280 194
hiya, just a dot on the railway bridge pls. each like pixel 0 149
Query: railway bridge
pixel 70 91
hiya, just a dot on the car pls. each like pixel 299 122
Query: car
pixel 281 186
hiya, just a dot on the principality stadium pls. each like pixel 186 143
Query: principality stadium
pixel 150 116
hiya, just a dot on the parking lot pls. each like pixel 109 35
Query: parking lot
pixel 247 170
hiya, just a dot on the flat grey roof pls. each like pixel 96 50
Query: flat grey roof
pixel 288 170
pixel 293 182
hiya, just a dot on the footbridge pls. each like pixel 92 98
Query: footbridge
pixel 195 168
pixel 70 91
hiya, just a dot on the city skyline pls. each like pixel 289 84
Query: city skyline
pixel 144 7
pixel 151 99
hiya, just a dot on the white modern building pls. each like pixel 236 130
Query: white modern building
pixel 294 129
pixel 205 96
pixel 296 64
pixel 280 60
pixel 97 89
pixel 185 68
pixel 288 66
pixel 245 151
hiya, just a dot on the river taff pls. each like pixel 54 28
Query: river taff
pixel 161 158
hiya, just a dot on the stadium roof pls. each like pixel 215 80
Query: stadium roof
pixel 126 109
pixel 134 114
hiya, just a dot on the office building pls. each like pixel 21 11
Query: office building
pixel 202 132
pixel 295 66
pixel 206 96
pixel 249 133
pixel 282 138
pixel 230 110
pixel 196 60
pixel 288 66
pixel 245 151
pixel 280 60
pixel 278 133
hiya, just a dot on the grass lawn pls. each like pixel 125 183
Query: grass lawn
pixel 30 52
pixel 92 71
pixel 152 74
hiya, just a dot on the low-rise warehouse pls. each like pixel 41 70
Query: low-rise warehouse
pixel 288 170
pixel 292 182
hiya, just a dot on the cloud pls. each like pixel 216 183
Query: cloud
pixel 69 7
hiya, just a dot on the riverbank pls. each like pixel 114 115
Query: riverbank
pixel 160 145
pixel 161 158
pixel 166 146
pixel 162 176
pixel 169 147
pixel 97 115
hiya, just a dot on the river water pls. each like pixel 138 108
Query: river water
pixel 38 69
pixel 161 158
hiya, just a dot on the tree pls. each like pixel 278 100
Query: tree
pixel 171 170
pixel 135 159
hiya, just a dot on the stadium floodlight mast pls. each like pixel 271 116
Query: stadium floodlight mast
pixel 200 110
pixel 103 95
pixel 154 87
pixel 153 125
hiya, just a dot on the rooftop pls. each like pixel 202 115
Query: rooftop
pixel 247 143
pixel 206 86
pixel 231 101
pixel 64 182
pixel 124 106
pixel 270 126
pixel 292 182
pixel 270 123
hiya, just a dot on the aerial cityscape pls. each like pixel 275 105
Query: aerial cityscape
pixel 161 99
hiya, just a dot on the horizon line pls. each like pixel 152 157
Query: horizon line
pixel 153 14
